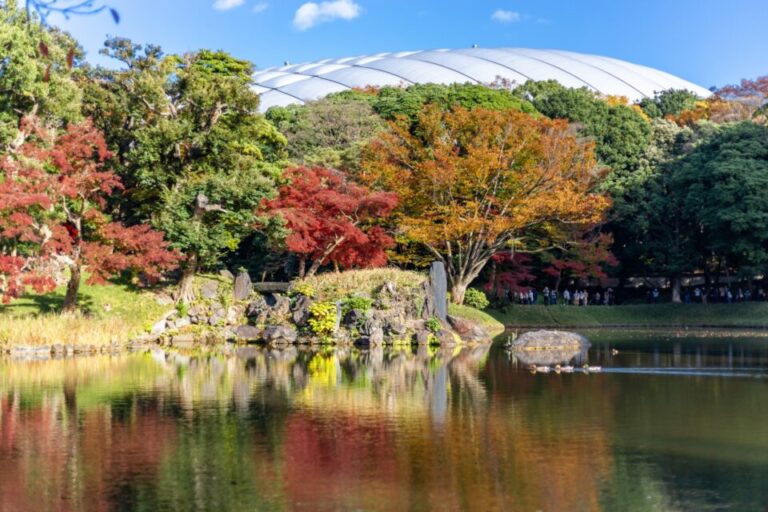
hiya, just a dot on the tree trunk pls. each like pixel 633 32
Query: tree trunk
pixel 186 292
pixel 458 289
pixel 73 287
pixel 676 287
pixel 302 267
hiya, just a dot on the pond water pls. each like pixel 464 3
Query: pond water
pixel 673 422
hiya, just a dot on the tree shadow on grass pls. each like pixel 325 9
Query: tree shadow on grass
pixel 41 304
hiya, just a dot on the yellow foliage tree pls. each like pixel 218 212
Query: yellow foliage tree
pixel 473 182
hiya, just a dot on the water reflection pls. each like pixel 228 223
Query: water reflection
pixel 382 430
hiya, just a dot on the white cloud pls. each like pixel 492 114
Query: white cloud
pixel 225 5
pixel 503 16
pixel 260 7
pixel 311 13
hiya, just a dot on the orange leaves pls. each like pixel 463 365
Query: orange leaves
pixel 485 174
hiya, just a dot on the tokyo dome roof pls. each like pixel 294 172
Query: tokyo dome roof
pixel 299 83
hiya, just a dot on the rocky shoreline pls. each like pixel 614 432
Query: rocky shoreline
pixel 228 312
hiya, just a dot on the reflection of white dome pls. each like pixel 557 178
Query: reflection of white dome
pixel 298 83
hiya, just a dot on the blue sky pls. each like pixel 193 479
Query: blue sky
pixel 707 42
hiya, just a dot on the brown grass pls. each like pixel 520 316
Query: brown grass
pixel 368 282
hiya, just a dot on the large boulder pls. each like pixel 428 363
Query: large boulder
pixel 209 289
pixel 550 340
pixel 468 330
pixel 248 333
pixel 280 334
pixel 300 311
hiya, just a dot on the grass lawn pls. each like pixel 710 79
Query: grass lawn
pixel 753 314
pixel 111 313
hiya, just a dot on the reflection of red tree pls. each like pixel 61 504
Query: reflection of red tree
pixel 74 460
pixel 347 458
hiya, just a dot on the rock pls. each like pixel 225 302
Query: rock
pixel 438 282
pixel 389 288
pixel 209 289
pixel 279 333
pixel 256 307
pixel 235 314
pixel 183 341
pixel 158 327
pixel 445 338
pixel 218 315
pixel 280 305
pixel 301 311
pixel 376 337
pixel 226 274
pixel 248 333
pixel 182 322
pixel 396 327
pixel 369 326
pixel 243 286
pixel 468 330
pixel 550 340
pixel 354 318
pixel 423 337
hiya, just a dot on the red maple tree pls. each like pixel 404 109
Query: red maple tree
pixel 331 219
pixel 52 207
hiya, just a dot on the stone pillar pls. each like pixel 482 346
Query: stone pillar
pixel 439 287
pixel 243 285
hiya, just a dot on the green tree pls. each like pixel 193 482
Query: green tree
pixel 722 183
pixel 37 72
pixel 196 156
pixel 327 133
pixel 669 103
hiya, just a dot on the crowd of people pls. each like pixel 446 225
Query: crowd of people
pixel 551 297
pixel 722 294
pixel 607 297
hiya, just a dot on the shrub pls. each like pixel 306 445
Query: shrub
pixel 322 318
pixel 433 324
pixel 360 303
pixel 476 298
pixel 303 288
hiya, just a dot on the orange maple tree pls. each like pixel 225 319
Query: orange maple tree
pixel 474 182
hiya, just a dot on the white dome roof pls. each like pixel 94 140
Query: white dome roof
pixel 299 83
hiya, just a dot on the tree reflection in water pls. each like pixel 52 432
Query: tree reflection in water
pixel 367 429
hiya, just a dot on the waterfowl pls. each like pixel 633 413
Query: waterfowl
pixel 614 352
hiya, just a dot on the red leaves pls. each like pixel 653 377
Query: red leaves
pixel 330 218
pixel 52 194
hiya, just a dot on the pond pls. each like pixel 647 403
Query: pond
pixel 673 422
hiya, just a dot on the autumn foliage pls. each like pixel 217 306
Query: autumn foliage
pixel 331 219
pixel 475 182
pixel 52 208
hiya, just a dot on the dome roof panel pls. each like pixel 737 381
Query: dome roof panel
pixel 481 70
pixel 419 71
pixel 308 81
pixel 275 98
pixel 283 80
pixel 363 77
pixel 313 88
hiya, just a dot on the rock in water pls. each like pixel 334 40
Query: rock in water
pixel 243 285
pixel 279 333
pixel 248 333
pixel 550 340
